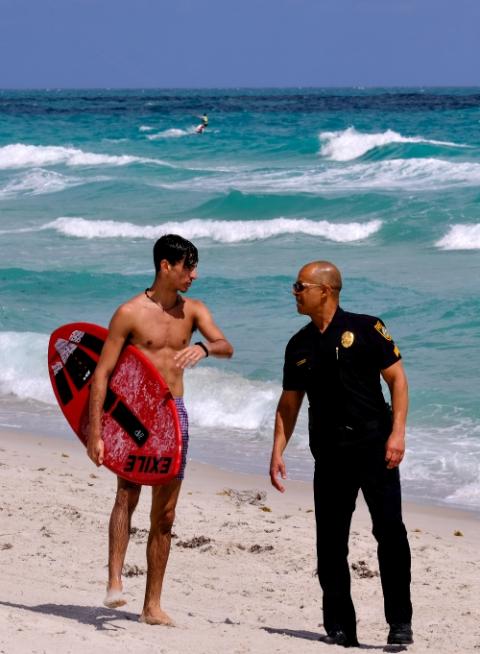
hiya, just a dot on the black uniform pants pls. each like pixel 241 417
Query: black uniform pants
pixel 338 478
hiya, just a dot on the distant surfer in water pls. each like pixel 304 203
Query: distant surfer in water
pixel 203 125
pixel 160 322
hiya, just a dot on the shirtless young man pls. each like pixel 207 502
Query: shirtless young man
pixel 160 322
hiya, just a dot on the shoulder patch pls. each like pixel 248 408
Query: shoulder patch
pixel 396 351
pixel 381 329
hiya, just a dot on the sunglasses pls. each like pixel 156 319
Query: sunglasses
pixel 298 287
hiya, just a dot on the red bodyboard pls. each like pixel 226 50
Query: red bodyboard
pixel 140 424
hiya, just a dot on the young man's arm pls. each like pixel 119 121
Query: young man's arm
pixel 216 345
pixel 396 380
pixel 285 420
pixel 118 333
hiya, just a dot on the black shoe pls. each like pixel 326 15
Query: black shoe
pixel 400 634
pixel 339 637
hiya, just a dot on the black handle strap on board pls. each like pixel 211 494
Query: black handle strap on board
pixel 80 367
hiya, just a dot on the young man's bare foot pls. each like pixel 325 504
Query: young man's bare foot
pixel 114 598
pixel 157 617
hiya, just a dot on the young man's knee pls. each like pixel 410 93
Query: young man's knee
pixel 128 496
pixel 162 521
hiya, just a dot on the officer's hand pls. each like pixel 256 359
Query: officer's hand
pixel 96 450
pixel 277 468
pixel 394 450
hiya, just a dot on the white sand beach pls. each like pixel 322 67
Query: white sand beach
pixel 241 575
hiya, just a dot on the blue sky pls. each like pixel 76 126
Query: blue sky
pixel 222 43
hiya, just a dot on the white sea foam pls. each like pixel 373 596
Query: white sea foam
pixel 466 495
pixel 23 371
pixel 416 174
pixel 233 231
pixel 145 128
pixel 20 155
pixel 461 237
pixel 449 472
pixel 121 140
pixel 348 144
pixel 410 174
pixel 38 181
pixel 218 399
pixel 173 133
pixel 215 398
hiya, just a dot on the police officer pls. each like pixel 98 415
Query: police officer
pixel 357 442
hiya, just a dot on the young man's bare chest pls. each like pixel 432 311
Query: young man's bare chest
pixel 160 335
pixel 160 330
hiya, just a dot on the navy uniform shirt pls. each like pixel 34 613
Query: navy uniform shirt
pixel 340 372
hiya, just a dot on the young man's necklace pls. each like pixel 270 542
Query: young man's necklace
pixel 159 304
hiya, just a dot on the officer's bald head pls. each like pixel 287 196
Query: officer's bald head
pixel 322 272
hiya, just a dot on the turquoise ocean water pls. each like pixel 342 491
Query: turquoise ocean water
pixel 384 182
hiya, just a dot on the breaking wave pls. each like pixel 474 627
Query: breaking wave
pixel 234 231
pixel 461 237
pixel 23 371
pixel 215 399
pixel 20 155
pixel 416 174
pixel 39 181
pixel 348 144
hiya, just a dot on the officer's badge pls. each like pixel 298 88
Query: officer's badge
pixel 381 329
pixel 347 339
pixel 301 362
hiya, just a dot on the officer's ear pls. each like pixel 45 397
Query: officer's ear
pixel 334 291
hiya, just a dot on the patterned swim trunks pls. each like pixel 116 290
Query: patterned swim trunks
pixel 183 417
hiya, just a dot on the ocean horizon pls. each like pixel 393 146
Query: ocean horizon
pixel 382 181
